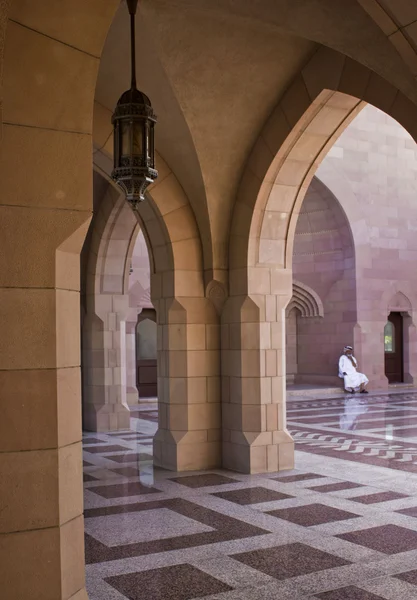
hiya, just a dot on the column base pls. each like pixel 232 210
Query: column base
pixel 188 454
pixel 132 396
pixel 107 417
pixel 80 595
pixel 251 453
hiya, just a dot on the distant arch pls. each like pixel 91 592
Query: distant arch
pixel 399 303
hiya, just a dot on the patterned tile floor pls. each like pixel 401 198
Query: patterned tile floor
pixel 341 526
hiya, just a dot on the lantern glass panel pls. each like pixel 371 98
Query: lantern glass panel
pixel 132 138
pixel 125 138
pixel 151 146
pixel 137 138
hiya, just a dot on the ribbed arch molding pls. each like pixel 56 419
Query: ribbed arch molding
pixel 306 300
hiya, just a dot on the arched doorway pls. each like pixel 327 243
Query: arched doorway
pixel 146 354
pixel 291 338
pixel 394 348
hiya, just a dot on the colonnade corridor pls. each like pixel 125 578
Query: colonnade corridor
pixel 211 235
pixel 341 525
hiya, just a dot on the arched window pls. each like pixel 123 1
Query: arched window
pixel 146 340
pixel 389 337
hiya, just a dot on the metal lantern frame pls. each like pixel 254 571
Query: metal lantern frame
pixel 133 133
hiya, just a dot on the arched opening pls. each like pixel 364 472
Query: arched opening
pixel 394 348
pixel 140 303
pixel 146 354
pixel 311 116
pixel 323 265
pixel 292 343
pixel 399 331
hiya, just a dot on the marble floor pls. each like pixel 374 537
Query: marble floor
pixel 341 526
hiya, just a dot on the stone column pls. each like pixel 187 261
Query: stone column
pixel 188 436
pixel 41 506
pixel 255 438
pixel 104 350
pixel 132 392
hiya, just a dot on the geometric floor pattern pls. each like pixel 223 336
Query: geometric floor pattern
pixel 341 526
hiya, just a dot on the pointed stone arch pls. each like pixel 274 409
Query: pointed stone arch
pixel 398 299
pixel 399 303
pixel 319 104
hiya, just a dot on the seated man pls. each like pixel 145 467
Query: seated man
pixel 354 381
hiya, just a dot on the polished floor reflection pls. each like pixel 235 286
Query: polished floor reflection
pixel 341 526
pixel 377 430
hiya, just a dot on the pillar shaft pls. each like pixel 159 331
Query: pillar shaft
pixel 255 438
pixel 41 506
pixel 188 436
pixel 104 350
pixel 132 393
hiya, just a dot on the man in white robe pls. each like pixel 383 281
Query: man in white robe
pixel 353 380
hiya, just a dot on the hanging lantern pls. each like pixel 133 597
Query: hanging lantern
pixel 133 130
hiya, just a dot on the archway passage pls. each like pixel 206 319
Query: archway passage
pixel 326 423
pixel 146 354
pixel 394 348
pixel 291 337
pixel 51 61
pixel 324 288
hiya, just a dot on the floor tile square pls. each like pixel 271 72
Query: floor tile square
pixel 87 478
pixel 123 490
pixel 224 528
pixel 92 440
pixel 198 481
pixel 102 449
pixel 252 495
pixel 291 560
pixel 409 577
pixel 348 593
pixel 294 478
pixel 130 457
pixel 335 487
pixel 180 582
pixel 389 539
pixel 312 514
pixel 144 526
pixel 378 497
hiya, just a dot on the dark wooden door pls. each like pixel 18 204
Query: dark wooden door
pixel 394 369
pixel 147 378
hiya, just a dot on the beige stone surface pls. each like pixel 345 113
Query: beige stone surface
pixel 70 482
pixel 72 557
pixel 28 328
pixel 59 186
pixel 58 81
pixel 87 32
pixel 43 231
pixel 32 501
pixel 29 414
pixel 28 574
pixel 68 340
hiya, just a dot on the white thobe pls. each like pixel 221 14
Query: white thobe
pixel 353 379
